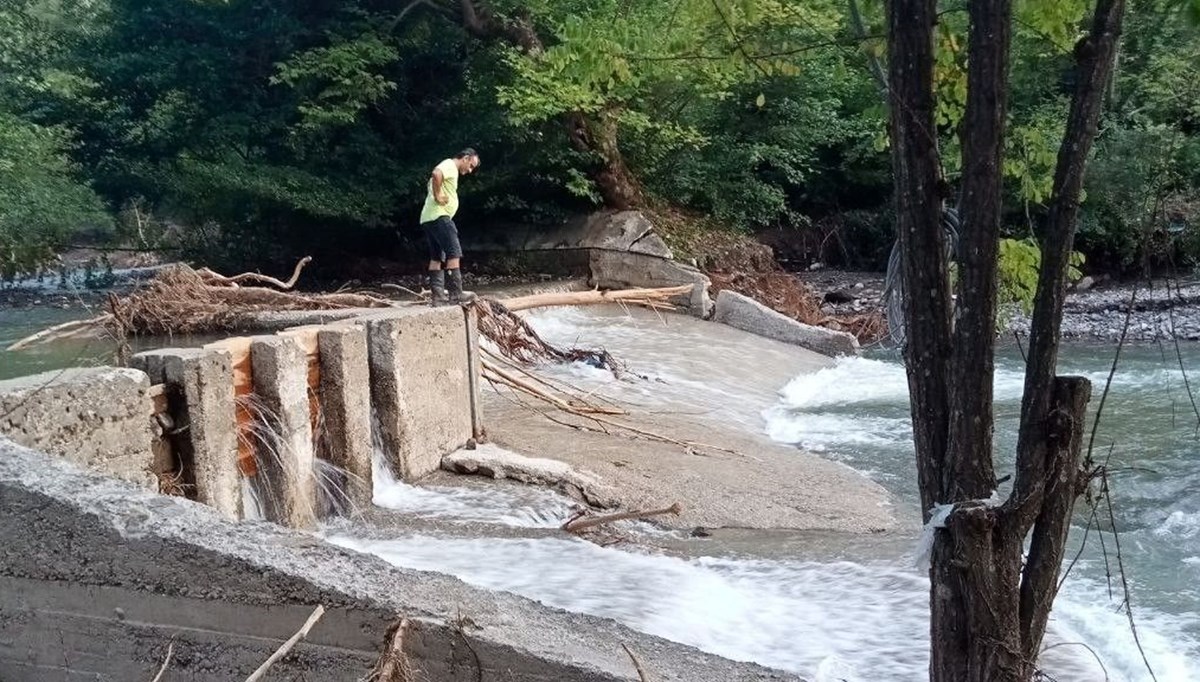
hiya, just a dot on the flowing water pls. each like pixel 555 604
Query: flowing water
pixel 830 610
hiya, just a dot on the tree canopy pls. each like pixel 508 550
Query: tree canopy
pixel 256 130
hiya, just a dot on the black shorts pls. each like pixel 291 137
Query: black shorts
pixel 442 236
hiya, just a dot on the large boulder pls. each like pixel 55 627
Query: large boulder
pixel 749 315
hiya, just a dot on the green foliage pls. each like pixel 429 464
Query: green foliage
pixel 1020 261
pixel 42 203
pixel 340 80
pixel 264 129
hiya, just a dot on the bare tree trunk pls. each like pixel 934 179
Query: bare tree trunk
pixel 918 212
pixel 1047 471
pixel 988 610
pixel 974 630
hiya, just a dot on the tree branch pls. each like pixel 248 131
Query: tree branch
pixel 969 471
pixel 1095 61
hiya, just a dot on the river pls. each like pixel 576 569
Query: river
pixel 828 608
pixel 835 608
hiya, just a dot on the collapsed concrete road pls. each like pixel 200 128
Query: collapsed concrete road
pixel 99 577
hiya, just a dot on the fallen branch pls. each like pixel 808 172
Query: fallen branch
pixel 287 646
pixel 577 524
pixel 65 330
pixel 216 279
pixel 578 407
pixel 636 663
pixel 646 296
pixel 166 662
pixel 393 665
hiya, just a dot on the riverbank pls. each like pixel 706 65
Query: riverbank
pixel 1162 309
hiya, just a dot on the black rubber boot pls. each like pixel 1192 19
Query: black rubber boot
pixel 437 287
pixel 454 285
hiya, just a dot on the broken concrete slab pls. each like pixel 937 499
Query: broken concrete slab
pixel 346 408
pixel 286 481
pixel 421 390
pixel 496 462
pixel 612 270
pixel 97 578
pixel 749 315
pixel 100 417
pixel 200 395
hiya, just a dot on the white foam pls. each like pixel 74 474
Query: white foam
pixel 822 431
pixel 1180 525
pixel 1084 613
pixel 822 620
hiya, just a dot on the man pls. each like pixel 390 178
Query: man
pixel 437 221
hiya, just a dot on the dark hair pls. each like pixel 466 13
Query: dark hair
pixel 468 152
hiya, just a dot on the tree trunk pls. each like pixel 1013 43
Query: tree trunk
pixel 918 221
pixel 988 610
pixel 598 135
pixel 974 631
pixel 1052 409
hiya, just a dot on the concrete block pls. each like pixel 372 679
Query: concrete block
pixel 614 270
pixel 420 386
pixel 99 417
pixel 346 408
pixel 286 480
pixel 749 315
pixel 200 395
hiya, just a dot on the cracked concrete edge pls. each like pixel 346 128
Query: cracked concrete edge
pixel 63 524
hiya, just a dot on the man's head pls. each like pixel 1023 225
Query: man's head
pixel 467 161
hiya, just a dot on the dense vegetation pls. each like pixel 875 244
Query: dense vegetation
pixel 250 131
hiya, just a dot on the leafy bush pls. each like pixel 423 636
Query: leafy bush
pixel 1020 260
pixel 42 201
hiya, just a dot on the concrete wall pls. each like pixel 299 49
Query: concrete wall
pixel 99 417
pixel 199 383
pixel 97 578
pixel 421 386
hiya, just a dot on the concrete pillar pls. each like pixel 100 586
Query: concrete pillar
pixel 200 393
pixel 285 481
pixel 420 385
pixel 346 407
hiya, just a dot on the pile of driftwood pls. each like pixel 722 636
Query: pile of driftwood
pixel 181 300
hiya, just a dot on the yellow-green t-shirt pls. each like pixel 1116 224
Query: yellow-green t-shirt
pixel 433 210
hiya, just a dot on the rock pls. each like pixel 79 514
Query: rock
pixel 1084 284
pixel 859 285
pixel 840 296
pixel 749 315
pixel 623 231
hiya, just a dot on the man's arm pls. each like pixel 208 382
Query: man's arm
pixel 438 195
